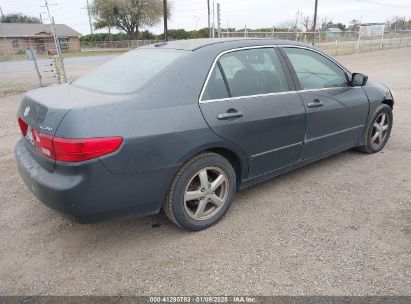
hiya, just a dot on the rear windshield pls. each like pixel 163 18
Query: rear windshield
pixel 128 72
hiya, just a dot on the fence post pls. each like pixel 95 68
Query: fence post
pixel 336 47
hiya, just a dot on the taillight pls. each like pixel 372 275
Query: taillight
pixel 70 149
pixel 23 126
pixel 76 150
pixel 43 143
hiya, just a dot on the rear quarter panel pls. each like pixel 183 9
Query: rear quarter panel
pixel 161 124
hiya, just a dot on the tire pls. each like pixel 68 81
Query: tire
pixel 373 142
pixel 210 203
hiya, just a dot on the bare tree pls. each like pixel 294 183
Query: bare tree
pixel 287 26
pixel 307 23
pixel 354 25
pixel 325 21
pixel 398 23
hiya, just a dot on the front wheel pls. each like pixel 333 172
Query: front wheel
pixel 201 192
pixel 378 130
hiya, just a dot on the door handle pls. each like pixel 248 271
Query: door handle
pixel 230 114
pixel 316 103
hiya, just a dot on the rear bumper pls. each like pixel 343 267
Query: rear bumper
pixel 88 192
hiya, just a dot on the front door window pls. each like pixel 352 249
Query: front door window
pixel 315 71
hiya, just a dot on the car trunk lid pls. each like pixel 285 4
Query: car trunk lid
pixel 44 109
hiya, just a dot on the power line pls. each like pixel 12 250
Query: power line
pixel 383 4
pixel 194 7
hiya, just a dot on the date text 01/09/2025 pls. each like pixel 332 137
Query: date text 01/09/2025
pixel 202 299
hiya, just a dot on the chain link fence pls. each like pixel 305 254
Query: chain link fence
pixel 334 43
pixel 10 50
pixel 90 46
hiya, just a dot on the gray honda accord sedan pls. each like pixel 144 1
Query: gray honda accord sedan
pixel 181 126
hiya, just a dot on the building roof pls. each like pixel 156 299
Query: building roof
pixel 334 30
pixel 33 29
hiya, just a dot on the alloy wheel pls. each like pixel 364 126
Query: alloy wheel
pixel 206 193
pixel 380 130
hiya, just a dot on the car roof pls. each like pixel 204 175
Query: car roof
pixel 195 44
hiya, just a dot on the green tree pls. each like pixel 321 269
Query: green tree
pixel 354 25
pixel 147 35
pixel 104 37
pixel 127 15
pixel 18 18
pixel 331 24
pixel 178 34
pixel 201 33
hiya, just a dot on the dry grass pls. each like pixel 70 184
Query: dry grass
pixel 11 88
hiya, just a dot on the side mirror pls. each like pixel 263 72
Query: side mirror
pixel 359 80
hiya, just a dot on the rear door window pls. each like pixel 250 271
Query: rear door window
pixel 128 72
pixel 216 88
pixel 253 72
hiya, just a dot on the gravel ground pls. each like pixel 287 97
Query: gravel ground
pixel 340 226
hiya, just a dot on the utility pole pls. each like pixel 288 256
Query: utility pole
pixel 41 19
pixel 56 41
pixel 209 25
pixel 165 19
pixel 213 30
pixel 89 18
pixel 219 20
pixel 315 20
pixel 297 21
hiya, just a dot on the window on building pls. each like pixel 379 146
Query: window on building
pixel 64 43
pixel 15 43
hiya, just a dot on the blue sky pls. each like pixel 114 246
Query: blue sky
pixel 236 13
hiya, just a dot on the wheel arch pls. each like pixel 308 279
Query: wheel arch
pixel 232 158
pixel 234 155
pixel 389 102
